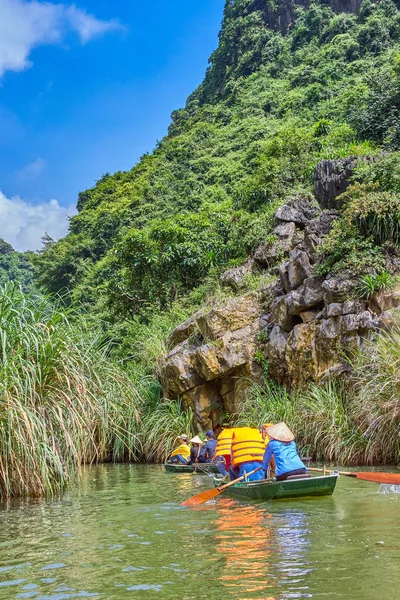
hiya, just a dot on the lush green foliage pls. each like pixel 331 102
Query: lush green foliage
pixel 271 105
pixel 15 266
pixel 375 283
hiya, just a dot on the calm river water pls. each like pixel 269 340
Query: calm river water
pixel 122 534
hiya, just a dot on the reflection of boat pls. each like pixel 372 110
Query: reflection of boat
pixel 270 489
pixel 196 468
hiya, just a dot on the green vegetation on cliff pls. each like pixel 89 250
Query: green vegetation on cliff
pixel 271 106
pixel 15 266
pixel 148 245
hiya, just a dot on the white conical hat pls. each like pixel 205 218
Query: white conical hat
pixel 196 440
pixel 280 432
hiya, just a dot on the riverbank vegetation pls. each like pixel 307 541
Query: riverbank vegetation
pixel 348 420
pixel 63 404
pixel 148 245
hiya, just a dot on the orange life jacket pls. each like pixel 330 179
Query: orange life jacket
pixel 247 446
pixel 224 443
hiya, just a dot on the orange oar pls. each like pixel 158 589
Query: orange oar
pixel 376 477
pixel 210 494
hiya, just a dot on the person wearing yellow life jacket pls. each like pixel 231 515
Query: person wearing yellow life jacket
pixel 222 454
pixel 181 454
pixel 248 448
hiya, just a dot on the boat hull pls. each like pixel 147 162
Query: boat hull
pixel 269 489
pixel 202 468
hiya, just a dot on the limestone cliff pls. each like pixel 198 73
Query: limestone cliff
pixel 300 326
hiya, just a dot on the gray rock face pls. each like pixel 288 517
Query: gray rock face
pixel 301 324
pixel 234 278
pixel 299 267
pixel 308 296
pixel 298 210
pixel 183 331
pixel 332 178
pixel 338 289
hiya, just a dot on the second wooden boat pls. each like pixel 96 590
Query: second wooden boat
pixel 196 468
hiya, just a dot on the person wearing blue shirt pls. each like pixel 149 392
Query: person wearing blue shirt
pixel 208 449
pixel 283 448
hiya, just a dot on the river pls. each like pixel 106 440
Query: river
pixel 122 534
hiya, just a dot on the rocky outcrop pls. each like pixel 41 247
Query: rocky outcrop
pixel 332 178
pixel 280 15
pixel 211 373
pixel 301 326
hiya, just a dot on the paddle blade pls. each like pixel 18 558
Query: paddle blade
pixel 391 478
pixel 201 498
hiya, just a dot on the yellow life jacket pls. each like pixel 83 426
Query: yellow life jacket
pixel 247 446
pixel 183 450
pixel 224 443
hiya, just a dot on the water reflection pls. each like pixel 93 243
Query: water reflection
pixel 122 534
pixel 264 554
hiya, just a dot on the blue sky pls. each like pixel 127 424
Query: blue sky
pixel 85 89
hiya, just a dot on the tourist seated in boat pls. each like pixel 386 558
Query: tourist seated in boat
pixel 263 430
pixel 222 454
pixel 247 453
pixel 181 454
pixel 208 449
pixel 283 449
pixel 195 450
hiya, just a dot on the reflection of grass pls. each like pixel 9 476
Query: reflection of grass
pixel 62 402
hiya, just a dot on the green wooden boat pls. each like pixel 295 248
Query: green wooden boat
pixel 201 468
pixel 270 489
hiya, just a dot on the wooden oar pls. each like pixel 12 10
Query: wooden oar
pixel 210 494
pixel 376 477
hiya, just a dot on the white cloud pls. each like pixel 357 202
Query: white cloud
pixel 23 224
pixel 25 25
pixel 32 169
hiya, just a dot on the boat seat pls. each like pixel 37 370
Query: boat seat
pixel 302 476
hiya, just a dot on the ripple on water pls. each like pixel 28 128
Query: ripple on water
pixel 125 531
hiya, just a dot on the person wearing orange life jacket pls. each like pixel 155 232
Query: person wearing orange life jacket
pixel 248 448
pixel 222 454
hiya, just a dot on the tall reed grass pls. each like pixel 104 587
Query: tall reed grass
pixel 63 403
pixel 352 421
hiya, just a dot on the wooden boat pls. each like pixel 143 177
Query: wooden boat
pixel 270 489
pixel 200 468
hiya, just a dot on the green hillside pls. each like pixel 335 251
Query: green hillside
pixel 278 97
pixel 15 267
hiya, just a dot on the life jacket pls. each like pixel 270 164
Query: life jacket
pixel 224 443
pixel 183 450
pixel 247 446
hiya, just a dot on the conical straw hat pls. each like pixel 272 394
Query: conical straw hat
pixel 196 440
pixel 280 432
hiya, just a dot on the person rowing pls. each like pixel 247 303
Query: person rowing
pixel 195 450
pixel 283 449
pixel 222 454
pixel 208 450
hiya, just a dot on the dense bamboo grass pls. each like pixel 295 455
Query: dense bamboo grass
pixel 63 403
